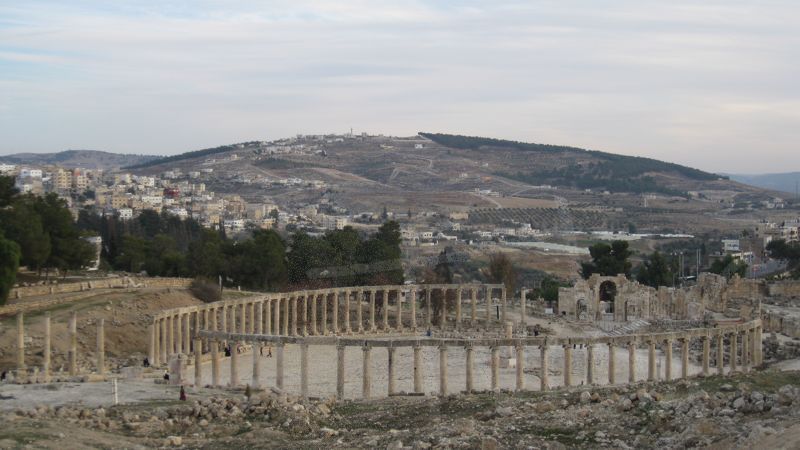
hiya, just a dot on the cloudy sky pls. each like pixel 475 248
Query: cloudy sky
pixel 714 85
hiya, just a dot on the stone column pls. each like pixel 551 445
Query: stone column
pixel 170 338
pixel 293 328
pixel 503 306
pixel 268 316
pixel 612 373
pixel 733 349
pixel 335 318
pixel 413 302
pixel 177 320
pixel 543 384
pixel 442 370
pixel 347 327
pixel 390 370
pixel 197 328
pixel 277 316
pixel 720 354
pixel 151 342
pixel 73 344
pixel 304 371
pixel 156 343
pixel 631 362
pixel 164 356
pixel 522 308
pixel 243 318
pixel 198 362
pixel 706 354
pixel 590 364
pixel 495 367
pixel 215 363
pixel 250 317
pixel 668 359
pixel 279 365
pixel 314 314
pixel 372 326
pixel 304 313
pixel 758 347
pixel 443 318
pixel 259 318
pixel 101 347
pixel 685 358
pixel 651 360
pixel 366 375
pixel 468 367
pixel 428 307
pixel 324 306
pixel 187 333
pixel 21 369
pixel 488 306
pixel 385 309
pixel 285 302
pixel 745 351
pixel 340 371
pixel 255 382
pixel 473 314
pixel 234 381
pixel 458 308
pixel 223 318
pixel 417 369
pixel 46 355
pixel 520 367
pixel 359 314
pixel 399 305
pixel 567 365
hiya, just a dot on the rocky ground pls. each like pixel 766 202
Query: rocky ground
pixel 760 409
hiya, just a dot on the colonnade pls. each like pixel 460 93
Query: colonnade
pixel 340 311
pixel 72 354
pixel 739 357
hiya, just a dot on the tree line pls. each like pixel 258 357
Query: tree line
pixel 165 245
pixel 38 232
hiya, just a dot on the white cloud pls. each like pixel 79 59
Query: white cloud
pixel 678 81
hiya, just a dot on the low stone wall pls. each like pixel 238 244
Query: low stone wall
pixel 778 321
pixel 100 283
pixel 81 290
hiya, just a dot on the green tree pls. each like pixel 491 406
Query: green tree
pixel 729 267
pixel 9 263
pixel 501 271
pixel 260 262
pixel 7 191
pixel 608 260
pixel 23 225
pixel 132 255
pixel 207 256
pixel 656 271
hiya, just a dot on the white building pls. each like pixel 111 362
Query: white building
pixel 730 245
pixel 32 173
pixel 7 168
pixel 125 213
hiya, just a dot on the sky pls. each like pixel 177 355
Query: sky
pixel 714 85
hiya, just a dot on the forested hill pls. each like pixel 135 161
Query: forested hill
pixel 585 169
pixel 188 155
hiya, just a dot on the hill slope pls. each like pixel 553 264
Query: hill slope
pixel 582 169
pixel 89 159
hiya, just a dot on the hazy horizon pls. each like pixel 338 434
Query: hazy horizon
pixel 711 86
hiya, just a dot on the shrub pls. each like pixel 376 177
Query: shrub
pixel 206 290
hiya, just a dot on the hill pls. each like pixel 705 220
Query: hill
pixel 784 182
pixel 89 159
pixel 582 169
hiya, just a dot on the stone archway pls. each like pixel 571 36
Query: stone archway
pixel 582 310
pixel 608 293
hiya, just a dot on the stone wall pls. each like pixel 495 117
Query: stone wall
pixel 100 283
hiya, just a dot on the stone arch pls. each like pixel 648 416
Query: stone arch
pixel 608 294
pixel 582 309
